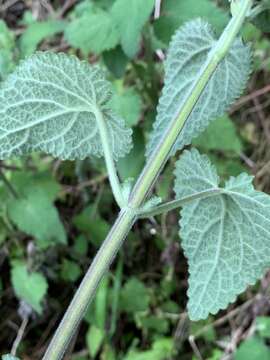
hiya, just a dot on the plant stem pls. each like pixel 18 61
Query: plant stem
pixel 128 216
pixel 87 289
pixel 108 155
pixel 175 204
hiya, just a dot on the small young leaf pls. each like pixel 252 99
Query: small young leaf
pixel 130 26
pixel 50 103
pixel 225 237
pixel 30 287
pixel 188 52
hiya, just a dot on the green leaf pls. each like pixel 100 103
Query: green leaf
pixel 70 271
pixel 262 20
pixel 37 32
pixel 220 135
pixel 130 27
pixel 52 103
pixel 161 349
pixel 134 296
pixel 116 61
pixel 7 45
pixel 91 223
pixel 176 13
pixel 94 31
pixel 35 214
pixel 263 326
pixel 187 54
pixel 251 349
pixel 225 237
pixel 94 339
pixel 29 286
pixel 7 40
pixel 135 157
pixel 128 104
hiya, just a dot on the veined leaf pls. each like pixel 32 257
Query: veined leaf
pixel 50 103
pixel 188 52
pixel 225 237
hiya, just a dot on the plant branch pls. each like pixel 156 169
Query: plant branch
pixel 143 186
pixel 175 204
pixel 108 155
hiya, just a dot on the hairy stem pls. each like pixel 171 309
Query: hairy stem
pixel 143 186
pixel 108 155
pixel 87 289
pixel 175 204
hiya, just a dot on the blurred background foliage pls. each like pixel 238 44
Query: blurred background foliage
pixel 54 215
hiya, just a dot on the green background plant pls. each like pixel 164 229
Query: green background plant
pixel 162 295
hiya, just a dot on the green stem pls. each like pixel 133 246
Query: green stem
pixel 108 155
pixel 127 216
pixel 87 288
pixel 175 204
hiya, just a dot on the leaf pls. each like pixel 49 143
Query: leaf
pixel 262 20
pixel 37 32
pixel 220 135
pixel 134 296
pixel 70 271
pixel 135 157
pixel 253 348
pixel 7 40
pixel 130 27
pixel 161 349
pixel 262 324
pixel 7 45
pixel 128 104
pixel 225 237
pixel 94 339
pixel 92 224
pixel 50 103
pixel 94 31
pixel 188 52
pixel 31 287
pixel 35 214
pixel 116 61
pixel 176 13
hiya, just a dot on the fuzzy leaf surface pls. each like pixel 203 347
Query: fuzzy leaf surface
pixel 187 54
pixel 226 237
pixel 50 104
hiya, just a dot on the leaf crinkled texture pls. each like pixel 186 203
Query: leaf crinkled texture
pixel 188 52
pixel 50 103
pixel 226 237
